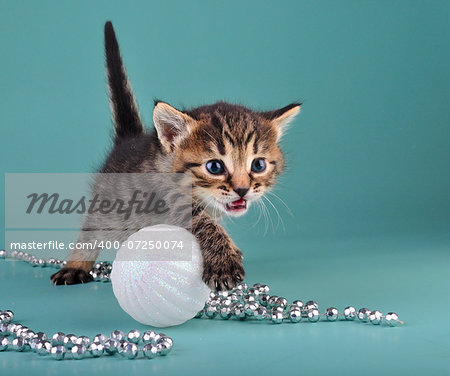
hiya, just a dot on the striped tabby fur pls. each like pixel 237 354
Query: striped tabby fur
pixel 185 141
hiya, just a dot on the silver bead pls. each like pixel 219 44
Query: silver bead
pixel 10 314
pixel 392 319
pixel 238 311
pixel 83 340
pixel 4 329
pixel 13 328
pixel 260 313
pixel 98 266
pixel 295 314
pixel 313 315
pixel 164 347
pixel 331 314
pixel 28 335
pixel 78 352
pixel 34 262
pixel 214 303
pixel 264 289
pixel 225 313
pixel 213 295
pixel 111 346
pixel 211 312
pixel 150 351
pixel 253 291
pixel 18 344
pixel 58 352
pixel 272 302
pixel 242 286
pixel 69 341
pixel 375 317
pixel 250 308
pixel 43 348
pixel 42 263
pixel 122 344
pixel 58 339
pixel 277 316
pixel 226 303
pixel 41 336
pixel 21 331
pixel 249 298
pixel 363 314
pixel 164 338
pixel 129 350
pixel 118 335
pixel 4 343
pixel 350 313
pixel 2 254
pixel 96 349
pixel 264 299
pixel 51 262
pixel 234 298
pixel 159 337
pixel 298 304
pixel 282 302
pixel 149 336
pixel 33 342
pixel 278 308
pixel 238 293
pixel 311 304
pixel 222 294
pixel 134 336
pixel 99 338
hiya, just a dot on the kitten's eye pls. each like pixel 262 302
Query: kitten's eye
pixel 258 165
pixel 215 167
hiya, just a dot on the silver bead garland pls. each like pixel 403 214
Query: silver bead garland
pixel 101 271
pixel 16 337
pixel 242 303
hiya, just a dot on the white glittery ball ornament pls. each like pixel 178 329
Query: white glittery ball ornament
pixel 157 276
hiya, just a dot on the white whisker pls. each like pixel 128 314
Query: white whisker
pixel 277 212
pixel 266 216
pixel 284 204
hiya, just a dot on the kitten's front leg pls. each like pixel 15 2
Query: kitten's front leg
pixel 222 260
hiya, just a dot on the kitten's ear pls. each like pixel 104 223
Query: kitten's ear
pixel 171 125
pixel 282 117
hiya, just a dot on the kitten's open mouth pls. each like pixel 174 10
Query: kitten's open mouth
pixel 236 206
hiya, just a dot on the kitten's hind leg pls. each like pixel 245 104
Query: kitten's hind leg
pixel 73 273
pixel 77 269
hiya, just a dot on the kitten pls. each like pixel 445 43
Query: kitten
pixel 231 152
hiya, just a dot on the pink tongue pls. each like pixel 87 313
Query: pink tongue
pixel 239 202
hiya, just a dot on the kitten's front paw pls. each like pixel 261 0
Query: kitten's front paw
pixel 225 274
pixel 71 276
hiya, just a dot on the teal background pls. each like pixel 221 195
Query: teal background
pixel 367 184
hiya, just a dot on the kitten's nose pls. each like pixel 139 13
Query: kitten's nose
pixel 241 191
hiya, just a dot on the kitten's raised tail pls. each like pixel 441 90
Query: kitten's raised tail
pixel 127 121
